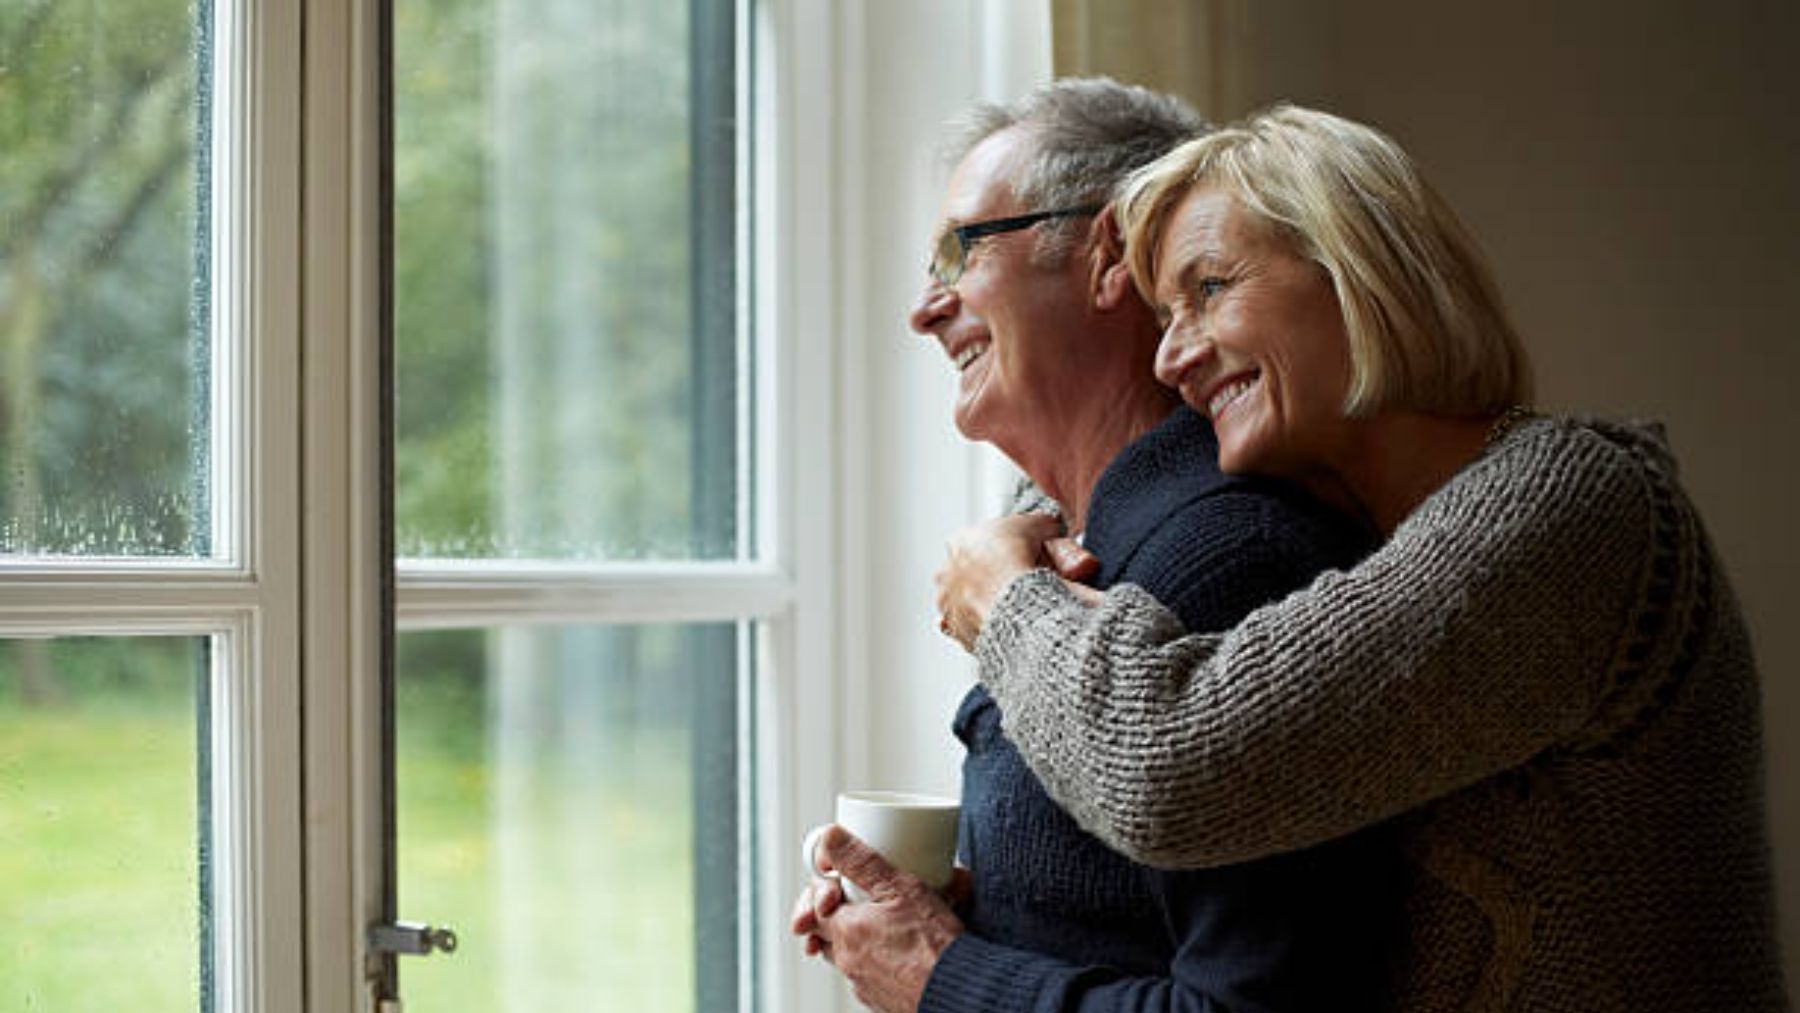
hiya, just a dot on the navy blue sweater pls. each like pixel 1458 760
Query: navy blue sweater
pixel 1058 922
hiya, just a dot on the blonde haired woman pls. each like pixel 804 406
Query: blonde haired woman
pixel 1542 672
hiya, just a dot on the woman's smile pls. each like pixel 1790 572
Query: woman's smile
pixel 1227 396
pixel 1255 338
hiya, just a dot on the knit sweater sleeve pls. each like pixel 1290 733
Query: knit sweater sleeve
pixel 1482 633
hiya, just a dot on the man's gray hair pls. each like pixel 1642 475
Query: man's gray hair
pixel 1088 134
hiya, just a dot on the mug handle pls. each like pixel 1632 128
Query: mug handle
pixel 809 852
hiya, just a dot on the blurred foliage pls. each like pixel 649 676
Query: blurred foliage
pixel 101 425
pixel 101 672
pixel 545 278
pixel 444 381
pixel 545 281
pixel 545 275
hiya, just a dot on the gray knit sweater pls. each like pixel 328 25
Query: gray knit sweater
pixel 1543 674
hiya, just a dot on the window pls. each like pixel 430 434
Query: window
pixel 575 427
pixel 147 546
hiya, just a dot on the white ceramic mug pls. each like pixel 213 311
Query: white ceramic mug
pixel 917 833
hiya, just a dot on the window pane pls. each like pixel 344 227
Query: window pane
pixel 565 263
pixel 100 808
pixel 103 444
pixel 567 801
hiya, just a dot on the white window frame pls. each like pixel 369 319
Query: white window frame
pixel 795 273
pixel 245 598
pixel 786 590
pixel 338 252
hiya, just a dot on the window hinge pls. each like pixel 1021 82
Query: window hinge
pixel 411 938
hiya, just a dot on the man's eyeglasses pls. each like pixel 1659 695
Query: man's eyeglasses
pixel 952 252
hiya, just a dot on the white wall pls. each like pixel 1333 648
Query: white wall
pixel 909 479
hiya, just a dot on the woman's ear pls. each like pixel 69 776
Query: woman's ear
pixel 1110 279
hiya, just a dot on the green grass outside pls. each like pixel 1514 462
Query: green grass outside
pixel 573 894
pixel 98 861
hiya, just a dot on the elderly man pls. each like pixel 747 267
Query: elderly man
pixel 1032 303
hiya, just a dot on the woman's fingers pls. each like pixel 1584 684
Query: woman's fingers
pixel 1071 561
pixel 980 562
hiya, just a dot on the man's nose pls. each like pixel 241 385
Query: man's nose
pixel 936 305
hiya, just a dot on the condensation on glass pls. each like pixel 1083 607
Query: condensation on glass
pixel 104 360
pixel 104 865
pixel 571 381
pixel 568 803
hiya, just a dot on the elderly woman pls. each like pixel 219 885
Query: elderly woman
pixel 1541 673
pixel 1031 302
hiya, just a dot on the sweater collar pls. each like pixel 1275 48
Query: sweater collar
pixel 1155 475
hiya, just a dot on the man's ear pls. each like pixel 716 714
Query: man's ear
pixel 1109 277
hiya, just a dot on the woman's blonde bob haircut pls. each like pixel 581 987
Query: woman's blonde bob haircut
pixel 1426 328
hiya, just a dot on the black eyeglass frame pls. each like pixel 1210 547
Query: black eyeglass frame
pixel 947 273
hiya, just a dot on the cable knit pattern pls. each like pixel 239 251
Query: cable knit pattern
pixel 1542 674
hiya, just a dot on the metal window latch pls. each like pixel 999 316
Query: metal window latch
pixel 411 938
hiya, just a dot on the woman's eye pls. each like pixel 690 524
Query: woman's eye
pixel 1209 287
